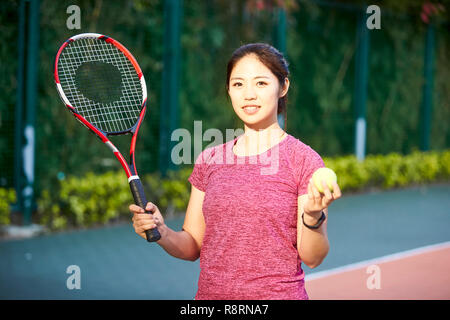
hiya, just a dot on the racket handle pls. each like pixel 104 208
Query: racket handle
pixel 139 198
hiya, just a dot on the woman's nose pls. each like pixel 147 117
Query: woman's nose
pixel 249 93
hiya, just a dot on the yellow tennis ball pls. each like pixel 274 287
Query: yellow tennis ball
pixel 325 174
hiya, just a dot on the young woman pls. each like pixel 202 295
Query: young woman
pixel 252 228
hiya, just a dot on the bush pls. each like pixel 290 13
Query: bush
pixel 172 193
pixel 7 197
pixel 98 199
pixel 390 171
pixel 85 201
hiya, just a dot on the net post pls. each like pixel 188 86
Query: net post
pixel 18 117
pixel 169 100
pixel 32 52
pixel 427 98
pixel 361 78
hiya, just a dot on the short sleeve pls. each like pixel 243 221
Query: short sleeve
pixel 198 175
pixel 310 163
pixel 304 161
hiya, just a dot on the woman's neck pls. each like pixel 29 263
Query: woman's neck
pixel 254 142
pixel 263 134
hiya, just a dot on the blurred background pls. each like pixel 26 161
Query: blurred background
pixel 370 92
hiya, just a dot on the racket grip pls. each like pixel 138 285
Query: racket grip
pixel 139 198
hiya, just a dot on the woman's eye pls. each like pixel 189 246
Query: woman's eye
pixel 261 83
pixel 237 84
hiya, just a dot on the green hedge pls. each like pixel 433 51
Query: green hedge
pixel 98 199
pixel 85 201
pixel 390 171
pixel 7 197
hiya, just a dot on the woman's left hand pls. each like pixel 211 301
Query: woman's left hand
pixel 318 201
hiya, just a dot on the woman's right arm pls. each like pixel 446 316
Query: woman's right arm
pixel 184 244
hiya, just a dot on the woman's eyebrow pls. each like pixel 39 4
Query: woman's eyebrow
pixel 257 77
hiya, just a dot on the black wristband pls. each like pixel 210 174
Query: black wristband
pixel 319 222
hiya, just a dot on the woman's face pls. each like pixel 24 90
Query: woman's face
pixel 254 91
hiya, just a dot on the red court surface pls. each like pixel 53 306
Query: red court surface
pixel 419 274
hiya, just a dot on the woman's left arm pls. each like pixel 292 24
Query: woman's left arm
pixel 312 244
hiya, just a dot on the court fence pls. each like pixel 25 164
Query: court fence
pixel 319 39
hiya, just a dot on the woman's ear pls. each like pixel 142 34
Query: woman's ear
pixel 284 88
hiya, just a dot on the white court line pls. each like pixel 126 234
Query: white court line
pixel 387 258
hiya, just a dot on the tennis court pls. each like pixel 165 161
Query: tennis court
pixel 350 106
pixel 384 229
pixel 420 273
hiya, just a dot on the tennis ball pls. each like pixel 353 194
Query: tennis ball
pixel 325 174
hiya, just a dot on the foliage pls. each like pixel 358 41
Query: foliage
pixel 85 201
pixel 7 197
pixel 391 170
pixel 8 86
pixel 99 199
pixel 95 199
pixel 320 49
pixel 171 193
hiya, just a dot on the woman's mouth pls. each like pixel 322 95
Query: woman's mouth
pixel 251 109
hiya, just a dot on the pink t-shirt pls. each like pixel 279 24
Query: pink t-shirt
pixel 249 249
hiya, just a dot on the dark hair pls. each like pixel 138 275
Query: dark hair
pixel 271 58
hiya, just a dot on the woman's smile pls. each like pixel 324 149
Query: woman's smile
pixel 251 109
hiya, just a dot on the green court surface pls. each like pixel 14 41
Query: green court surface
pixel 117 264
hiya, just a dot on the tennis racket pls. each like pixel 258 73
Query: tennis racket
pixel 101 83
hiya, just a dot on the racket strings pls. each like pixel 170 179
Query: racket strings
pixel 101 83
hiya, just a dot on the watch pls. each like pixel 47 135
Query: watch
pixel 319 222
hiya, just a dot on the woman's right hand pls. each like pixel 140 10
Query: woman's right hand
pixel 143 221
